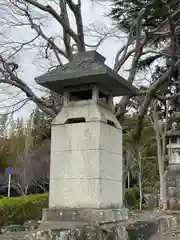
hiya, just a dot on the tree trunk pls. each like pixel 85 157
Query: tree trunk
pixel 140 191
pixel 161 158
pixel 163 194
pixel 140 180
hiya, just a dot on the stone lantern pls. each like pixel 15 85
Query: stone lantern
pixel 86 169
pixel 173 147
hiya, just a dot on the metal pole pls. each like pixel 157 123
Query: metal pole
pixel 9 185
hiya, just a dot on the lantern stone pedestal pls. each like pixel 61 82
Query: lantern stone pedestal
pixel 173 173
pixel 86 170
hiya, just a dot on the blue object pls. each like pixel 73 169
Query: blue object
pixel 9 170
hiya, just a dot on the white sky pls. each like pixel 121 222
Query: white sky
pixel 92 13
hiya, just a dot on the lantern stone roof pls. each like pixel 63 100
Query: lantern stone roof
pixel 85 69
pixel 173 133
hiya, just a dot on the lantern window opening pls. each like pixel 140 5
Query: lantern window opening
pixel 90 92
pixel 103 97
pixel 75 120
pixel 80 95
pixel 111 123
pixel 174 140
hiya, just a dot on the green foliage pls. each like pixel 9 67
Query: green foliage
pixel 22 137
pixel 11 145
pixel 132 197
pixel 20 209
pixel 147 148
pixel 125 13
pixel 153 14
pixel 41 126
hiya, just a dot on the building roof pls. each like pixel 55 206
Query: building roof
pixel 86 68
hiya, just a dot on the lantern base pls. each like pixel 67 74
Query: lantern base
pixel 71 218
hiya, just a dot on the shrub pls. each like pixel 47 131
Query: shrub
pixel 18 210
pixel 132 197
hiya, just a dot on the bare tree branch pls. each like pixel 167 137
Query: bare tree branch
pixel 50 41
pixel 118 63
pixel 137 54
pixel 58 17
pixel 12 79
pixel 66 37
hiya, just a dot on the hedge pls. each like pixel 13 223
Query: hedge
pixel 18 210
pixel 132 197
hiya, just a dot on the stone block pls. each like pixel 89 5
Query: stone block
pixel 85 136
pixel 174 191
pixel 174 203
pixel 86 165
pixel 75 164
pixel 79 136
pixel 80 193
pixel 60 138
pixel 85 215
pixel 142 230
pixel 110 165
pixel 111 193
pixel 110 139
pixel 74 193
pixel 151 200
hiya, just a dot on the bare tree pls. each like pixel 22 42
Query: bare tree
pixel 32 164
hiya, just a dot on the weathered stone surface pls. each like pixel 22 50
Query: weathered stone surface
pixel 88 232
pixel 174 192
pixel 173 183
pixel 151 229
pixel 86 167
pixel 173 188
pixel 151 200
pixel 13 228
pixel 142 230
pixel 173 175
pixel 85 215
pixel 174 203
pixel 142 223
pixel 86 68
pixel 30 225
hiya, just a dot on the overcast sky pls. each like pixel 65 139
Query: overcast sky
pixel 92 13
